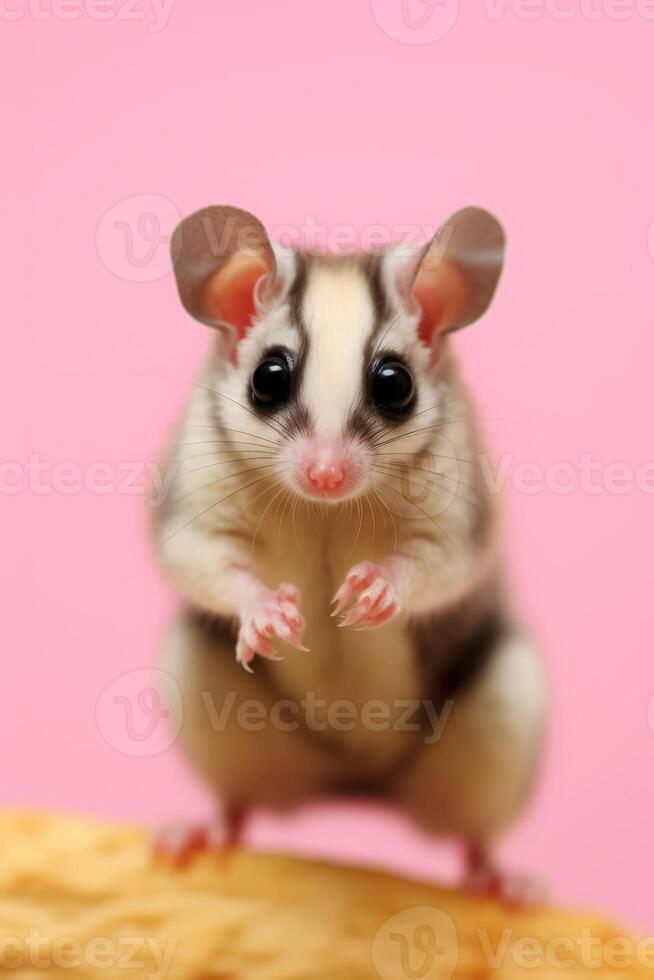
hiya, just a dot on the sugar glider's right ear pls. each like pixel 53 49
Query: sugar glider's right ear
pixel 224 265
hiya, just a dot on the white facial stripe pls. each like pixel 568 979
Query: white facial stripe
pixel 339 316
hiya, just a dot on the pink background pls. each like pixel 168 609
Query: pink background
pixel 298 110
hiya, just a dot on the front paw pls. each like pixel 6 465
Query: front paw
pixel 370 592
pixel 272 614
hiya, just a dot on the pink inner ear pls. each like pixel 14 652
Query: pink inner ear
pixel 230 292
pixel 432 308
pixel 440 292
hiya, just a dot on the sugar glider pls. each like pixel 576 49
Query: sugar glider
pixel 334 541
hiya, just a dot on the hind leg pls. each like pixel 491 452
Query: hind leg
pixel 486 878
pixel 181 842
pixel 241 736
pixel 474 779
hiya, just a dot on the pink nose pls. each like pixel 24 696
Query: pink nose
pixel 326 471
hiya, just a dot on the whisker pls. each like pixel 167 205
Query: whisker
pixel 243 432
pixel 230 476
pixel 390 512
pixel 414 432
pixel 412 482
pixel 458 459
pixel 219 394
pixel 219 424
pixel 295 534
pixel 281 519
pixel 428 516
pixel 440 425
pixel 389 428
pixel 220 462
pixel 395 320
pixel 444 476
pixel 450 401
pixel 267 508
pixel 360 510
pixel 445 494
pixel 222 442
pixel 372 514
pixel 258 496
pixel 206 510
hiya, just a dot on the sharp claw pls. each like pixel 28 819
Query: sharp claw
pixel 343 601
pixel 277 616
pixel 298 645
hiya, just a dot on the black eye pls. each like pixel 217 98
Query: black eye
pixel 271 383
pixel 393 388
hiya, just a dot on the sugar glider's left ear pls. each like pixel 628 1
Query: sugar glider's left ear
pixel 453 278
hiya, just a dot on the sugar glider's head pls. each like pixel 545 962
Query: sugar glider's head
pixel 322 359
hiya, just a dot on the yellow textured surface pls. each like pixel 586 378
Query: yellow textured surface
pixel 81 899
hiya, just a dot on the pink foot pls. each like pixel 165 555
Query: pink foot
pixel 180 843
pixel 370 590
pixel 513 890
pixel 269 614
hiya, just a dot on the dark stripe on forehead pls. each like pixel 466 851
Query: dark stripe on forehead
pixel 383 309
pixel 372 269
pixel 365 422
pixel 295 416
pixel 296 296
